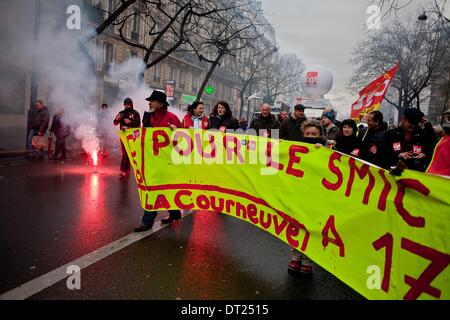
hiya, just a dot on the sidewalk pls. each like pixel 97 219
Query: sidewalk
pixel 13 153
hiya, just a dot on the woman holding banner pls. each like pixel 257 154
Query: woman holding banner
pixel 313 133
pixel 195 118
pixel 222 118
pixel 347 142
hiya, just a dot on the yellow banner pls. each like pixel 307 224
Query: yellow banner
pixel 386 237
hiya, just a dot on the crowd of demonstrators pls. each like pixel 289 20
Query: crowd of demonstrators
pixel 372 137
pixel 127 118
pixel 375 144
pixel 290 129
pixel 265 121
pixel 61 130
pixel 195 117
pixel 159 117
pixel 222 118
pixel 38 122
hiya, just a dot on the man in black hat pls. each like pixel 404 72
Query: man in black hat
pixel 127 118
pixel 159 117
pixel 408 143
pixel 291 127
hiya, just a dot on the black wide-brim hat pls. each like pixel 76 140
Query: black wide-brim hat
pixel 158 96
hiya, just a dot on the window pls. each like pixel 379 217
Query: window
pixel 194 82
pixel 135 26
pixel 156 73
pixel 133 54
pixel 171 73
pixel 182 80
pixel 108 58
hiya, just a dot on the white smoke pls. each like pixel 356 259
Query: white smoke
pixel 88 137
pixel 69 71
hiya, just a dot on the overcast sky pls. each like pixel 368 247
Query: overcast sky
pixel 324 32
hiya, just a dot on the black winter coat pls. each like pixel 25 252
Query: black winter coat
pixel 265 123
pixel 39 119
pixel 372 148
pixel 223 123
pixel 129 114
pixel 349 145
pixel 290 129
pixel 59 128
pixel 420 142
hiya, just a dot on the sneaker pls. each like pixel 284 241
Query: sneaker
pixel 143 228
pixel 294 266
pixel 297 267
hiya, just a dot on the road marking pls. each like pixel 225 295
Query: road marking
pixel 40 283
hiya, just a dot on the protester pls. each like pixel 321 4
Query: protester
pixel 61 130
pixel 265 121
pixel 38 122
pixel 409 143
pixel 282 116
pixel 222 118
pixel 158 117
pixel 330 111
pixel 313 133
pixel 440 163
pixel 347 142
pixel 331 130
pixel 371 139
pixel 195 118
pixel 290 129
pixel 127 118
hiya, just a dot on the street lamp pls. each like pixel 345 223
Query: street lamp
pixel 423 17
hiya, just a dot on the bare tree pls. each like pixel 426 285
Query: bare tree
pixel 392 7
pixel 282 76
pixel 226 34
pixel 248 66
pixel 418 46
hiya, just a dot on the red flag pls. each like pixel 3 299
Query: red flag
pixel 371 96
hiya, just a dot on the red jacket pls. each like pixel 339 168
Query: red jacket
pixel 440 164
pixel 188 123
pixel 162 118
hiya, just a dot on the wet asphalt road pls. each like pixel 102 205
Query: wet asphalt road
pixel 54 213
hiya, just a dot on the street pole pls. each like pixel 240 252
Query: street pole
pixel 34 74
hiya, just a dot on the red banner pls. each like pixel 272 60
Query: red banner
pixel 371 96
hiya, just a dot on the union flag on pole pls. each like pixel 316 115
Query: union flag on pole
pixel 370 97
